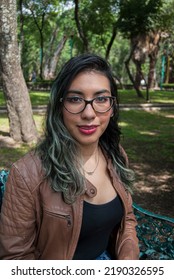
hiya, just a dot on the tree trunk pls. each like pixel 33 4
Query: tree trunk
pixel 114 33
pixel 48 54
pixel 51 63
pixel 152 72
pixel 138 91
pixel 21 34
pixel 138 75
pixel 41 54
pixel 22 126
pixel 167 70
pixel 40 29
pixel 154 41
pixel 79 28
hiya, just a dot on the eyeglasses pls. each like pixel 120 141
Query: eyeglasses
pixel 76 105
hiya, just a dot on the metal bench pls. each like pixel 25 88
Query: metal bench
pixel 155 232
pixel 156 235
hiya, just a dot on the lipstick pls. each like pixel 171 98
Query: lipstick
pixel 86 129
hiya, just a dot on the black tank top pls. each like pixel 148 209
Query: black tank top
pixel 97 223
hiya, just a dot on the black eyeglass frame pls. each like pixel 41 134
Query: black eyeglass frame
pixel 113 98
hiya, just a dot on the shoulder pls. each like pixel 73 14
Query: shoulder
pixel 28 170
pixel 30 160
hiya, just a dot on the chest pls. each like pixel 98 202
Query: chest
pixel 105 190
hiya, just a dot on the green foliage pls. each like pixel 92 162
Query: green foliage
pixel 97 16
pixel 46 17
pixel 117 58
pixel 97 19
pixel 138 16
pixel 166 19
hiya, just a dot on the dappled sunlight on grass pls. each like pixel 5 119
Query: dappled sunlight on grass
pixel 148 134
pixel 10 154
pixel 40 122
pixel 4 123
pixel 123 124
pixel 10 150
pixel 154 187
pixel 151 133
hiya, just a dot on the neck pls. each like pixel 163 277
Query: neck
pixel 88 152
pixel 90 159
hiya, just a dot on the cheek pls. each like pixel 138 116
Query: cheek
pixel 69 120
pixel 64 115
pixel 104 122
pixel 106 118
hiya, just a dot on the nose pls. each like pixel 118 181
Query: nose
pixel 88 112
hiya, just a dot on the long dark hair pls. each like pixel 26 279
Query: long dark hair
pixel 58 150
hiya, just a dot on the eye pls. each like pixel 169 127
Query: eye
pixel 74 99
pixel 102 99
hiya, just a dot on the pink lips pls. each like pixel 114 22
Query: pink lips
pixel 88 129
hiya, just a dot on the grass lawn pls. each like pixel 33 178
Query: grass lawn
pixel 37 98
pixel 158 96
pixel 148 136
pixel 148 139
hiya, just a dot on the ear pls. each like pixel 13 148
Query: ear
pixel 112 113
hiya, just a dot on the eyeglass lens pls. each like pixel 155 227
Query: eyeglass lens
pixel 77 104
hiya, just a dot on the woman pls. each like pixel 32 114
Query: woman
pixel 69 199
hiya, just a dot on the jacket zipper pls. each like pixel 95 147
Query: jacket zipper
pixel 62 216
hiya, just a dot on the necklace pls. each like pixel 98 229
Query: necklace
pixel 92 172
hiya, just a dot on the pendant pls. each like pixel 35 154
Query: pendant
pixel 90 173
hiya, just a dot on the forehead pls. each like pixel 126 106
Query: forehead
pixel 90 79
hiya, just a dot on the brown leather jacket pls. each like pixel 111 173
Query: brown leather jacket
pixel 36 223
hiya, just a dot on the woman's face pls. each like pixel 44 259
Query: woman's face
pixel 87 127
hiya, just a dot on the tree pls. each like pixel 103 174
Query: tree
pixel 96 25
pixel 51 61
pixel 140 21
pixel 39 10
pixel 45 32
pixel 21 26
pixel 22 126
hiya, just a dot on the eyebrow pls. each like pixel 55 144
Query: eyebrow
pixel 95 93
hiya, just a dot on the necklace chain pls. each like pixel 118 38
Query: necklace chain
pixel 92 172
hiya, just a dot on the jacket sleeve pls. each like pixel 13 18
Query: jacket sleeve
pixel 127 242
pixel 17 220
